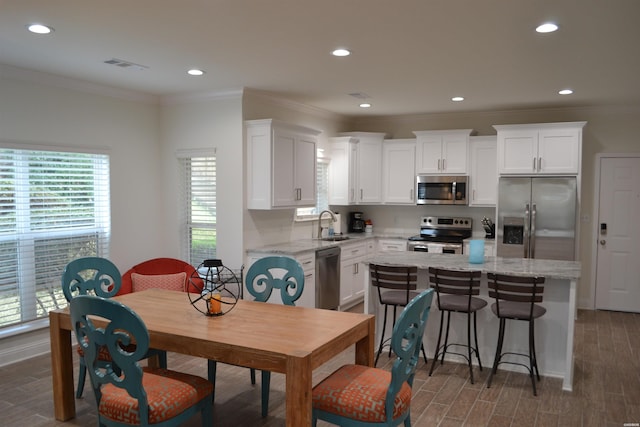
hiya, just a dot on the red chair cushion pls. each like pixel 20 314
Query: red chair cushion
pixel 169 393
pixel 358 392
pixel 156 266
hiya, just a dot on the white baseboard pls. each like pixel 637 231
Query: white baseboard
pixel 17 350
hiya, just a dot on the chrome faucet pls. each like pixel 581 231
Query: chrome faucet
pixel 333 219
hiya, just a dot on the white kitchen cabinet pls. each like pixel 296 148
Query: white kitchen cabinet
pixel 392 245
pixel 483 171
pixel 545 148
pixel 356 161
pixel 352 273
pixel 281 165
pixel 398 172
pixel 442 152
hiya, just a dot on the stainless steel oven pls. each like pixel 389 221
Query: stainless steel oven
pixel 435 247
pixel 441 235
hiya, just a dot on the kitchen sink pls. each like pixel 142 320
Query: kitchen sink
pixel 335 238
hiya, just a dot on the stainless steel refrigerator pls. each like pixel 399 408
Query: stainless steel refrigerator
pixel 537 218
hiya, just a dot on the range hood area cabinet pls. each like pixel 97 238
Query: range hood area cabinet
pixel 356 161
pixel 281 165
pixel 483 171
pixel 540 149
pixel 398 172
pixel 442 152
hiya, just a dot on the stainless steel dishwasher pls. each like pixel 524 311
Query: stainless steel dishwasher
pixel 328 278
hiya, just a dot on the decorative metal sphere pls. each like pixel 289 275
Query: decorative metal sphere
pixel 213 288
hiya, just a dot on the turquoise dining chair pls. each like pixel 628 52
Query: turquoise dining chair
pixel 267 274
pixel 127 394
pixel 100 277
pixel 356 395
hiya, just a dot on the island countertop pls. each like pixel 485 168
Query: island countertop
pixel 552 269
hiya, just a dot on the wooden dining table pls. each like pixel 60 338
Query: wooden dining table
pixel 285 339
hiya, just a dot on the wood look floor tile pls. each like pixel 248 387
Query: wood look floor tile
pixel 606 389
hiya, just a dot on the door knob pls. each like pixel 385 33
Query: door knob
pixel 603 242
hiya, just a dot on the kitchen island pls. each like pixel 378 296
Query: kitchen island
pixel 554 330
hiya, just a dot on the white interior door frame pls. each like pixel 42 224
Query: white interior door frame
pixel 596 214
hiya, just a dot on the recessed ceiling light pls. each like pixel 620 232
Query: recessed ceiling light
pixel 341 52
pixel 565 92
pixel 39 29
pixel 365 105
pixel 547 27
pixel 195 72
pixel 457 99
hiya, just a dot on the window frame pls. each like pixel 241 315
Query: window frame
pixel 50 196
pixel 187 222
pixel 311 214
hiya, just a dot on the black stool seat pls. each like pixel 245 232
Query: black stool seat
pixel 396 288
pixel 516 298
pixel 455 292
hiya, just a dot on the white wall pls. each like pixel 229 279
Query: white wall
pixel 206 121
pixel 48 111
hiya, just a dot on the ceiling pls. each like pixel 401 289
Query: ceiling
pixel 408 56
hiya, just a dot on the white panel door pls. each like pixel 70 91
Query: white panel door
pixel 618 266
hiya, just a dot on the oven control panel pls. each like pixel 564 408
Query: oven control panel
pixel 446 222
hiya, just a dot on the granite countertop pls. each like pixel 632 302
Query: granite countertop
pixel 298 247
pixel 552 269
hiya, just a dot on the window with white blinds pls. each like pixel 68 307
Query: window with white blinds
pixel 54 207
pixel 198 207
pixel 322 193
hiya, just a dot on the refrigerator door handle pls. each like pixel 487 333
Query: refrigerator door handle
pixel 526 231
pixel 533 231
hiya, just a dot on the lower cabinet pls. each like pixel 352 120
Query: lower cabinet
pixel 352 273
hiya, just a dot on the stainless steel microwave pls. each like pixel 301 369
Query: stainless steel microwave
pixel 441 190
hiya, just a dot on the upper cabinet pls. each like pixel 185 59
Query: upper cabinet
pixel 398 173
pixel 483 173
pixel 281 165
pixel 546 148
pixel 442 152
pixel 356 161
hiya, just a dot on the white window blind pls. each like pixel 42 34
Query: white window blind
pixel 322 193
pixel 54 207
pixel 198 207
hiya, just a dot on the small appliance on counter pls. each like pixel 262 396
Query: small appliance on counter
pixel 356 222
pixel 337 224
pixel 489 228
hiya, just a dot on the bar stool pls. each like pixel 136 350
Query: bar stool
pixel 455 292
pixel 516 298
pixel 399 285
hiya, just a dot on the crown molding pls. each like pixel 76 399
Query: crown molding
pixel 32 76
pixel 187 98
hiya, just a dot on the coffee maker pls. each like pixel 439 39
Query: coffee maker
pixel 356 222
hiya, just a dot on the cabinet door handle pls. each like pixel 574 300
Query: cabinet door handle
pixel 539 164
pixel 411 195
pixel 438 164
pixel 444 165
pixel 474 195
pixel 534 164
pixel 361 193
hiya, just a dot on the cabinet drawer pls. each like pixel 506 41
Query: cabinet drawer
pixel 307 261
pixel 353 251
pixel 392 245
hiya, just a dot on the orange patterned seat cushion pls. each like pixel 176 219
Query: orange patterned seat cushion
pixel 358 392
pixel 169 393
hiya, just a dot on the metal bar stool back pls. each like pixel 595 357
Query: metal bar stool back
pixel 516 298
pixel 456 292
pixel 396 288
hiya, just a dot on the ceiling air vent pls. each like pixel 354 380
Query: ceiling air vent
pixel 359 95
pixel 125 64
